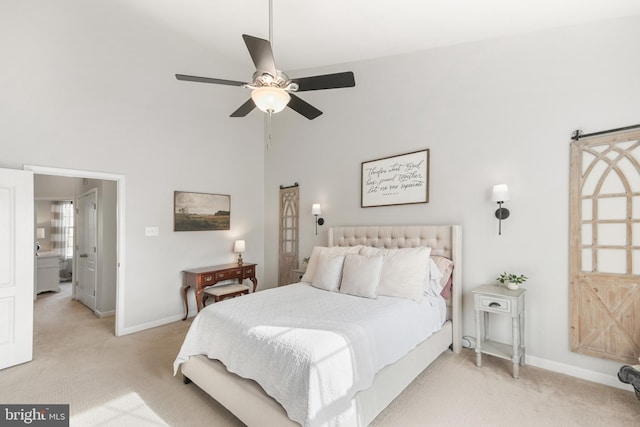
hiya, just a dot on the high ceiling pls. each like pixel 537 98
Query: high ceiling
pixel 309 34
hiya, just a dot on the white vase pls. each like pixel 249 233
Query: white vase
pixel 512 286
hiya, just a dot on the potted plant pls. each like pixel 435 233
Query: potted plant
pixel 512 280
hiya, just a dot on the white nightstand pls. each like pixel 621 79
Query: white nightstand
pixel 500 300
pixel 297 274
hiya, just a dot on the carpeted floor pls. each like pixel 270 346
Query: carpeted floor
pixel 127 381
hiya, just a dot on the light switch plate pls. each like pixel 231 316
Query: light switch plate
pixel 151 231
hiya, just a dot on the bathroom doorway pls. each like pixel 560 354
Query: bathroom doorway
pixel 110 244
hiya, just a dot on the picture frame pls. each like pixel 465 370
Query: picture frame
pixel 402 179
pixel 201 211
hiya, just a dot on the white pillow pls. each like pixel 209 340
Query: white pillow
pixel 403 271
pixel 322 250
pixel 361 275
pixel 328 272
pixel 432 282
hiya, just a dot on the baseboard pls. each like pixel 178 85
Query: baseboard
pixel 585 374
pixel 102 314
pixel 149 325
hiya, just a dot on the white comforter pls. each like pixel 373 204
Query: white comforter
pixel 311 349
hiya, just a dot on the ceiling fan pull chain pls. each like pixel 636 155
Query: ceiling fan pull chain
pixel 269 129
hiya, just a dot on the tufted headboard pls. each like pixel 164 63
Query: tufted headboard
pixel 444 240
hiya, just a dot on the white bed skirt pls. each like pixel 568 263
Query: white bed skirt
pixel 247 400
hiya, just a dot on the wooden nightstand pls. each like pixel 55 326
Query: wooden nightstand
pixel 297 274
pixel 500 300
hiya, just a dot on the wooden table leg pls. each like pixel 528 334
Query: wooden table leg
pixel 199 293
pixel 255 283
pixel 186 303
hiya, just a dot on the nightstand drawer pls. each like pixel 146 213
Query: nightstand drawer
pixel 207 279
pixel 494 304
pixel 229 274
pixel 248 271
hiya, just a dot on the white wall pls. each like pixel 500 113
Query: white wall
pixel 91 86
pixel 500 111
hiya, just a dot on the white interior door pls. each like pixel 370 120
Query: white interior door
pixel 17 251
pixel 86 248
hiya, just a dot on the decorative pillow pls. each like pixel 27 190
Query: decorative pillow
pixel 361 275
pixel 432 281
pixel 403 271
pixel 328 272
pixel 446 291
pixel 445 265
pixel 322 250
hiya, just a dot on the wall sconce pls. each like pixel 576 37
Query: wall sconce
pixel 316 210
pixel 500 195
pixel 238 247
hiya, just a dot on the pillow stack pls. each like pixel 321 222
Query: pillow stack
pixel 368 272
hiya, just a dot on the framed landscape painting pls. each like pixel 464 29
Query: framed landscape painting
pixel 201 211
pixel 396 180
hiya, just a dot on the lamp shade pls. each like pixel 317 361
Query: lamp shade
pixel 40 233
pixel 315 209
pixel 271 99
pixel 500 193
pixel 239 246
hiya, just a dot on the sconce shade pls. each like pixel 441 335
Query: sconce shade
pixel 270 99
pixel 40 233
pixel 315 209
pixel 500 193
pixel 239 246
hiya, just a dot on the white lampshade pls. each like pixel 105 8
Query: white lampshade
pixel 315 209
pixel 500 193
pixel 271 99
pixel 239 246
pixel 40 233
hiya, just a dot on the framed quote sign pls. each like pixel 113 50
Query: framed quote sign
pixel 396 180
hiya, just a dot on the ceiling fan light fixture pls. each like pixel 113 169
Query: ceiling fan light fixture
pixel 270 99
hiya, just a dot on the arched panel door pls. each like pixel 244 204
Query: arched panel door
pixel 288 241
pixel 605 246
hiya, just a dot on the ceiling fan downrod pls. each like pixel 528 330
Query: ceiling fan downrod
pixel 271 23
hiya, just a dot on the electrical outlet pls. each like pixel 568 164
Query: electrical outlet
pixel 151 231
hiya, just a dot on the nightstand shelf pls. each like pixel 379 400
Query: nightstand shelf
pixel 493 299
pixel 497 349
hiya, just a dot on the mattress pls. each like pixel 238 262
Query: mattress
pixel 316 349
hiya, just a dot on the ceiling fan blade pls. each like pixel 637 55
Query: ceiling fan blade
pixel 303 107
pixel 326 81
pixel 261 54
pixel 244 109
pixel 208 80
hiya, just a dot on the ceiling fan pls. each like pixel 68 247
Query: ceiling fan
pixel 273 90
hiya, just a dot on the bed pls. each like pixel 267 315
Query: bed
pixel 371 389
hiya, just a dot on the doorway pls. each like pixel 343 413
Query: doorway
pixel 117 255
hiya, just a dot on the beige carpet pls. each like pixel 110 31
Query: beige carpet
pixel 128 381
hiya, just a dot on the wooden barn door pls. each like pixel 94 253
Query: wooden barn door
pixel 288 247
pixel 605 246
